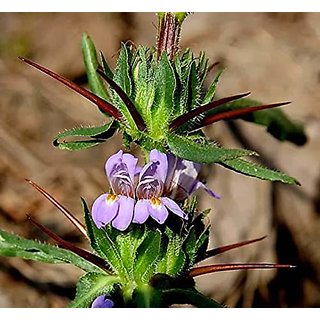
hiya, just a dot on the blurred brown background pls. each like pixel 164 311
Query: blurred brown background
pixel 275 56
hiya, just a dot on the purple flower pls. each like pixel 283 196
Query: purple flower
pixel 117 207
pixel 182 179
pixel 150 189
pixel 102 302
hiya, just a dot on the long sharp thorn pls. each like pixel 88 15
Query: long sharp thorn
pixel 179 121
pixel 227 115
pixel 131 107
pixel 102 104
pixel 99 262
pixel 216 251
pixel 198 271
pixel 65 211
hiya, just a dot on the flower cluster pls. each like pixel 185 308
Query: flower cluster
pixel 162 182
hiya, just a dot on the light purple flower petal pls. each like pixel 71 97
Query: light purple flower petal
pixel 104 211
pixel 138 170
pixel 102 302
pixel 125 213
pixel 158 212
pixel 112 162
pixel 172 206
pixel 141 212
pixel 161 158
pixel 131 163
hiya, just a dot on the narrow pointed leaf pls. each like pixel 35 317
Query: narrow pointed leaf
pixel 61 208
pixel 219 250
pixel 174 258
pixel 176 123
pixel 105 66
pixel 278 124
pixel 96 135
pixel 90 286
pixel 69 246
pixel 193 88
pixel 12 245
pixel 122 77
pixel 212 89
pixel 257 171
pixel 202 153
pixel 78 145
pixel 100 103
pixel 130 106
pixel 199 271
pixel 147 254
pixel 165 85
pixel 91 63
pixel 233 114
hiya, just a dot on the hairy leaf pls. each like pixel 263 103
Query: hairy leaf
pixel 174 258
pixel 12 245
pixel 96 134
pixel 91 63
pixel 147 254
pixel 90 286
pixel 164 95
pixel 257 171
pixel 202 153
pixel 122 77
pixel 212 89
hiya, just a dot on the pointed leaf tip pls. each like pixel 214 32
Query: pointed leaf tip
pixel 131 107
pixel 99 262
pixel 59 206
pixel 232 114
pixel 179 121
pixel 102 104
pixel 198 271
pixel 219 250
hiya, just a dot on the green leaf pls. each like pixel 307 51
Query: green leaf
pixel 105 66
pixel 163 105
pixel 102 243
pixel 129 243
pixel 212 89
pixel 91 63
pixel 188 296
pixel 174 258
pixel 144 85
pixel 147 254
pixel 278 124
pixel 202 153
pixel 258 171
pixel 97 134
pixel 90 286
pixel 122 78
pixel 193 88
pixel 12 245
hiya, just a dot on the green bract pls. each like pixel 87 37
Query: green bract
pixel 164 93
